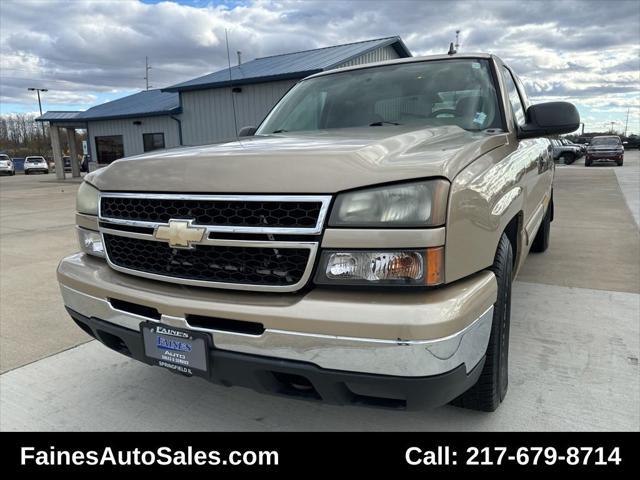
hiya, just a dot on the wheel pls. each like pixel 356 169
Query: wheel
pixel 619 162
pixel 491 387
pixel 26 172
pixel 46 172
pixel 587 162
pixel 541 241
pixel 569 158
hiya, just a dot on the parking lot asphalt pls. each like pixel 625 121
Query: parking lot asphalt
pixel 36 230
pixel 574 337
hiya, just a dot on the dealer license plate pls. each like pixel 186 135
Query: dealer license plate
pixel 181 351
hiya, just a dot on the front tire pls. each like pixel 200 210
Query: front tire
pixel 491 388
pixel 587 162
pixel 619 162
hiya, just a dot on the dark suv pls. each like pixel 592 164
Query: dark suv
pixel 608 147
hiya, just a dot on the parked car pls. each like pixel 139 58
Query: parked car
pixel 605 148
pixel 66 160
pixel 578 149
pixel 359 249
pixel 35 163
pixel 633 141
pixel 6 165
pixel 567 153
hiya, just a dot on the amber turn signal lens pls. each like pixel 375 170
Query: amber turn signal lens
pixel 435 266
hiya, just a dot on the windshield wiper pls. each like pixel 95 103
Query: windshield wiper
pixel 383 122
pixel 281 130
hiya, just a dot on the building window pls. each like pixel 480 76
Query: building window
pixel 109 148
pixel 153 141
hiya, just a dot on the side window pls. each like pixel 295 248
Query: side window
pixel 523 93
pixel 514 97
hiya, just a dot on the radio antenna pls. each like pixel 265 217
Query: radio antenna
pixel 233 100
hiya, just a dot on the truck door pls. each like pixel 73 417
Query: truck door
pixel 538 162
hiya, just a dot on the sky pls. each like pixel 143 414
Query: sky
pixel 87 52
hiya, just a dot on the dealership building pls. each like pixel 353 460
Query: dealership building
pixel 201 111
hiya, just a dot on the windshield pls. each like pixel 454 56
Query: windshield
pixel 443 92
pixel 606 141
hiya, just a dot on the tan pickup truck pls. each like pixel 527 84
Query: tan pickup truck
pixel 356 248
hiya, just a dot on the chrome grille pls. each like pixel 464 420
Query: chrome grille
pixel 240 249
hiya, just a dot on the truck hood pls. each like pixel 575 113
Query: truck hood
pixel 316 162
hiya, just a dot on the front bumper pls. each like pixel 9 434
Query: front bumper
pixel 604 156
pixel 405 336
pixel 304 380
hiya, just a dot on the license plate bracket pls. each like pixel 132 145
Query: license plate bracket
pixel 181 351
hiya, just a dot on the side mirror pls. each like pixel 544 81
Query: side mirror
pixel 550 118
pixel 247 131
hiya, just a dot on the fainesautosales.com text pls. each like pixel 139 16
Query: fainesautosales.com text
pixel 140 457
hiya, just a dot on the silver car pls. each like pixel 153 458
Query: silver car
pixel 6 165
pixel 568 153
pixel 35 163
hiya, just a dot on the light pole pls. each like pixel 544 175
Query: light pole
pixel 611 126
pixel 38 90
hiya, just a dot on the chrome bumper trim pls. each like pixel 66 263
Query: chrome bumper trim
pixel 410 358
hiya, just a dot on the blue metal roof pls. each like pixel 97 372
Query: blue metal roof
pixel 143 104
pixel 289 65
pixel 58 115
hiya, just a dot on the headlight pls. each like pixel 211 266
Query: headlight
pixel 90 242
pixel 417 204
pixel 393 267
pixel 87 199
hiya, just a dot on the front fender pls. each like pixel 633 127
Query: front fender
pixel 483 199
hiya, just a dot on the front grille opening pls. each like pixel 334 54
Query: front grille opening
pixel 113 342
pixel 226 325
pixel 85 327
pixel 134 308
pixel 296 386
pixel 237 213
pixel 224 264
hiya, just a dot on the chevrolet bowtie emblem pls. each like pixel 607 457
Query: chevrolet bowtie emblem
pixel 179 233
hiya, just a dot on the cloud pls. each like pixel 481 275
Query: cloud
pixel 87 50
